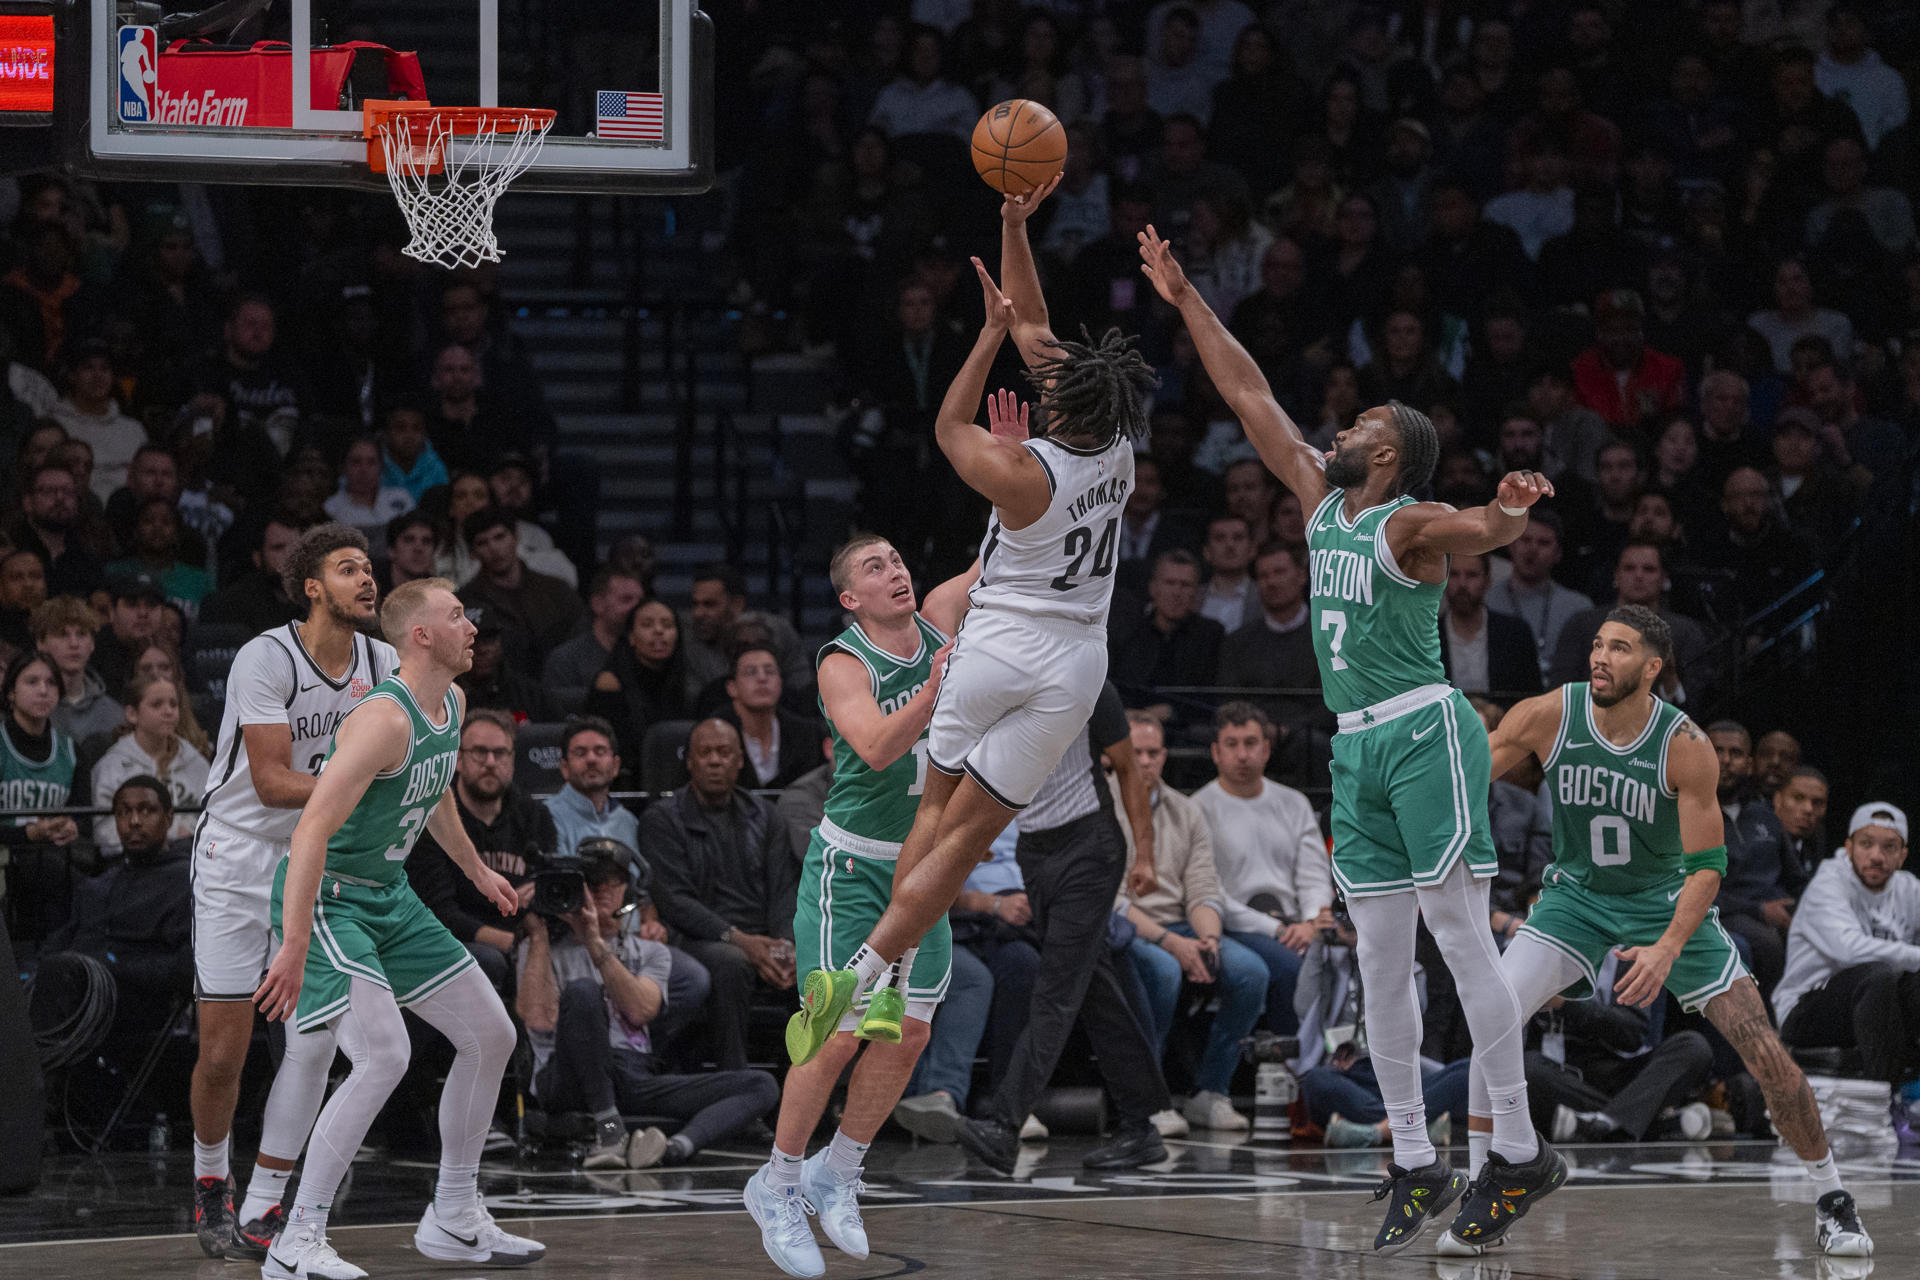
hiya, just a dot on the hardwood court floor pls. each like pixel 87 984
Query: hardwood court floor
pixel 1629 1213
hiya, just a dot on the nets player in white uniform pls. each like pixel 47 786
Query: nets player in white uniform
pixel 1031 656
pixel 287 690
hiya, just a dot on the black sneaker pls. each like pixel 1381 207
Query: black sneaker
pixel 1131 1146
pixel 1414 1198
pixel 213 1215
pixel 996 1144
pixel 1592 1127
pixel 251 1239
pixel 1503 1193
pixel 1836 1226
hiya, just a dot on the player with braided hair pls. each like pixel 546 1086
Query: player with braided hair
pixel 1411 763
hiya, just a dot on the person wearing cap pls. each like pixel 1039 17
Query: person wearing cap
pixel 89 412
pixel 1620 377
pixel 133 616
pixel 1853 956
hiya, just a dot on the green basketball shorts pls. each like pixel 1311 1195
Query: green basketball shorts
pixel 384 934
pixel 1584 926
pixel 841 898
pixel 1410 796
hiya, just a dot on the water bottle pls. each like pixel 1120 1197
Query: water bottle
pixel 158 1137
pixel 1274 1090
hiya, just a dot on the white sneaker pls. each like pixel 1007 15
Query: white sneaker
pixel 1209 1110
pixel 644 1148
pixel 302 1253
pixel 1452 1246
pixel 836 1202
pixel 1696 1121
pixel 1836 1226
pixel 1034 1131
pixel 473 1236
pixel 781 1213
pixel 1169 1123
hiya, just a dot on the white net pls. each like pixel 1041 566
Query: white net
pixel 451 213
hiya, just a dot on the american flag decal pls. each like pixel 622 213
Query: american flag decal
pixel 640 116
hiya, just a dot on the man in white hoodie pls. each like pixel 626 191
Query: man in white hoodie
pixel 1853 956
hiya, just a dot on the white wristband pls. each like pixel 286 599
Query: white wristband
pixel 1513 511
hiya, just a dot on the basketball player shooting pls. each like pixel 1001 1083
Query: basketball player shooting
pixel 1411 764
pixel 1032 657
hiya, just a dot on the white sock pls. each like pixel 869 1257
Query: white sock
pixel 1479 1143
pixel 308 1215
pixel 457 1190
pixel 1513 1135
pixel 1408 1124
pixel 783 1170
pixel 903 969
pixel 845 1156
pixel 867 967
pixel 265 1189
pixel 1825 1174
pixel 210 1159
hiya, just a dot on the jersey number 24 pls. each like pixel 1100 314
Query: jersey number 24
pixel 1079 542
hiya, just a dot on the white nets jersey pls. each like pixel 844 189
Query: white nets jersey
pixel 1061 565
pixel 275 680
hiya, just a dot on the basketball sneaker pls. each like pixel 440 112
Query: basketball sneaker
pixel 1415 1197
pixel 213 1215
pixel 473 1236
pixel 886 1010
pixel 781 1213
pixel 1836 1226
pixel 1504 1191
pixel 252 1239
pixel 836 1202
pixel 302 1253
pixel 1452 1246
pixel 825 998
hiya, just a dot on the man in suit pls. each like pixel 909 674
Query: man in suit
pixel 1484 651
pixel 1169 642
pixel 780 745
pixel 1146 528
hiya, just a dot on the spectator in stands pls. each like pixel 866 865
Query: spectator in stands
pixel 464 423
pixel 491 681
pixel 63 630
pixel 1274 648
pixel 1819 500
pixel 1146 527
pixel 407 458
pixel 1231 596
pixel 646 680
pixel 537 612
pixel 1181 938
pixel 1851 72
pixel 1765 558
pixel 922 100
pixel 150 745
pixel 1854 952
pixel 1178 81
pixel 133 619
pixel 1276 880
pixel 91 527
pixel 49 510
pixel 1851 438
pixel 510 478
pixel 591 1001
pixel 1575 434
pixel 1168 643
pixel 467 317
pixel 724 881
pixel 89 412
pixel 362 500
pixel 589 762
pixel 36 773
pixel 23 588
pixel 247 374
pixel 157 553
pixel 258 600
pixel 151 473
pixel 1754 903
pixel 1640 577
pixel 1598 529
pixel 412 541
pixel 804 800
pixel 513 832
pixel 780 745
pixel 718 606
pixel 1530 593
pixel 1541 209
pixel 1775 756
pixel 1620 377
pixel 41 300
pixel 570 669
pixel 1888 212
pixel 1484 651
pixel 1794 316
pixel 1800 804
pixel 1726 439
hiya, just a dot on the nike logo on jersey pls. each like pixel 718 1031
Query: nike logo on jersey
pixel 1575 746
pixel 1424 732
pixel 308 688
pixel 1674 896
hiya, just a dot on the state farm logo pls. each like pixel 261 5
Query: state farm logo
pixel 207 107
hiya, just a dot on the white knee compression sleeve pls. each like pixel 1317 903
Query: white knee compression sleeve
pixel 1385 926
pixel 468 1012
pixel 299 1087
pixel 1537 973
pixel 374 1038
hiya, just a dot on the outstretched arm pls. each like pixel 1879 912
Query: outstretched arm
pixel 946 605
pixel 1031 333
pixel 846 691
pixel 1300 466
pixel 1693 770
pixel 1528 729
pixel 999 470
pixel 1430 530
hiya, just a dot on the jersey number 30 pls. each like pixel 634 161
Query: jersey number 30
pixel 1079 542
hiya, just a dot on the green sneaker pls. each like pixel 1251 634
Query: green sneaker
pixel 825 997
pixel 885 1011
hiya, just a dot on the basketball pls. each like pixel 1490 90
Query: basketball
pixel 1018 145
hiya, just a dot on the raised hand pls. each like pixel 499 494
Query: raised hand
pixel 1007 416
pixel 999 306
pixel 1523 489
pixel 1017 209
pixel 1158 265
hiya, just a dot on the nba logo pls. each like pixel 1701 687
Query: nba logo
pixel 139 73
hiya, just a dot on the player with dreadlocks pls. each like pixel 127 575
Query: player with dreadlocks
pixel 1411 764
pixel 1032 657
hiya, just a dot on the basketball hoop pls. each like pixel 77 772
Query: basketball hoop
pixel 447 167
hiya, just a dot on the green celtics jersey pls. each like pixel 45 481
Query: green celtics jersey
pixel 1616 822
pixel 880 803
pixel 1376 631
pixel 373 843
pixel 31 784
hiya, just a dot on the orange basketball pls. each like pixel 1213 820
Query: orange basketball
pixel 1017 146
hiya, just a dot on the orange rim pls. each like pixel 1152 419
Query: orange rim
pixel 378 114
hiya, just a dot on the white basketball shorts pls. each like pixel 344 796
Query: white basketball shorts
pixel 232 909
pixel 1016 694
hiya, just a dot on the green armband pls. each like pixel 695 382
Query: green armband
pixel 1714 859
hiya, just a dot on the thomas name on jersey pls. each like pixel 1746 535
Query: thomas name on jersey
pixel 1106 492
pixel 1341 575
pixel 1596 787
